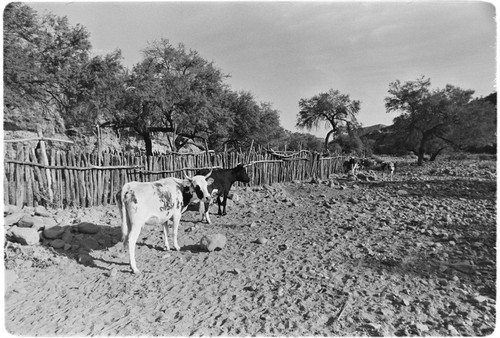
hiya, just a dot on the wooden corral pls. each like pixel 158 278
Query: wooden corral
pixel 69 178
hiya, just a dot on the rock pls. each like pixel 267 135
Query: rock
pixel 86 260
pixel 89 243
pixel 25 236
pixel 53 232
pixel 57 243
pixel 42 211
pixel 212 242
pixel 480 299
pixel 112 273
pixel 88 228
pixel 43 222
pixel 253 225
pixel 422 327
pixel 261 240
pixel 10 209
pixel 13 218
pixel 402 192
pixel 282 247
pixel 26 222
pixel 67 236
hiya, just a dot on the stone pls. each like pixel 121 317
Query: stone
pixel 13 218
pixel 89 243
pixel 86 260
pixel 26 222
pixel 261 240
pixel 67 236
pixel 25 236
pixel 88 228
pixel 42 211
pixel 53 232
pixel 57 243
pixel 212 242
pixel 43 222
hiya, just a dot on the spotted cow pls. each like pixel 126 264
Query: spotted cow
pixel 157 202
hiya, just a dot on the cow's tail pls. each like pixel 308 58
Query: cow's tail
pixel 120 197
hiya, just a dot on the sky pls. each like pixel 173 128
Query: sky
pixel 286 51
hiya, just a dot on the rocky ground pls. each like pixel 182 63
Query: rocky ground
pixel 411 257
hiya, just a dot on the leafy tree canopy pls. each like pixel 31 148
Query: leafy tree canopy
pixel 334 109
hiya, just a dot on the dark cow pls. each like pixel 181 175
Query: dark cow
pixel 351 165
pixel 157 202
pixel 223 180
pixel 389 166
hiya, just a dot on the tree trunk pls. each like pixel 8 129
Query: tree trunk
pixel 421 153
pixel 327 138
pixel 435 154
pixel 148 142
pixel 421 148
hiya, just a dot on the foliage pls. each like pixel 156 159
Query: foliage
pixel 336 110
pixel 253 122
pixel 347 144
pixel 431 120
pixel 299 141
pixel 42 59
pixel 172 90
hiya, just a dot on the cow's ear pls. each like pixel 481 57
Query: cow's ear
pixel 210 181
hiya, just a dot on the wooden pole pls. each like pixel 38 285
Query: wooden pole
pixel 45 161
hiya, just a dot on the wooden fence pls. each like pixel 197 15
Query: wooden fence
pixel 68 178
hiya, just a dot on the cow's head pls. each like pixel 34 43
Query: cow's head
pixel 241 173
pixel 198 186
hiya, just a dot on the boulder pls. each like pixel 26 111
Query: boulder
pixel 88 228
pixel 53 232
pixel 25 236
pixel 57 243
pixel 212 242
pixel 13 218
pixel 26 222
pixel 42 211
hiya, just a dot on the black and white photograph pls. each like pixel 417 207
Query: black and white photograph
pixel 249 168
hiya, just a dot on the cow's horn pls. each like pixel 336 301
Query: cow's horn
pixel 186 175
pixel 210 173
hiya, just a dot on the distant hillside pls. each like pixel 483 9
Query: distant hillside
pixel 371 129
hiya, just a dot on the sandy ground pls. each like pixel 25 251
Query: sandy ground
pixel 416 256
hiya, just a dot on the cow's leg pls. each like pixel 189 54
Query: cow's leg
pixel 176 219
pixel 219 203
pixel 165 236
pixel 202 211
pixel 132 239
pixel 206 214
pixel 224 201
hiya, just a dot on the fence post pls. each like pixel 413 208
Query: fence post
pixel 45 161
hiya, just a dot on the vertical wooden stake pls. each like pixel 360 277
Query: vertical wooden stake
pixel 45 161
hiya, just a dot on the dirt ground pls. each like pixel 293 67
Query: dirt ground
pixel 411 257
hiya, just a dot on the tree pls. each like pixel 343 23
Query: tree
pixel 303 141
pixel 255 122
pixel 172 90
pixel 428 118
pixel 101 84
pixel 335 109
pixel 42 58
